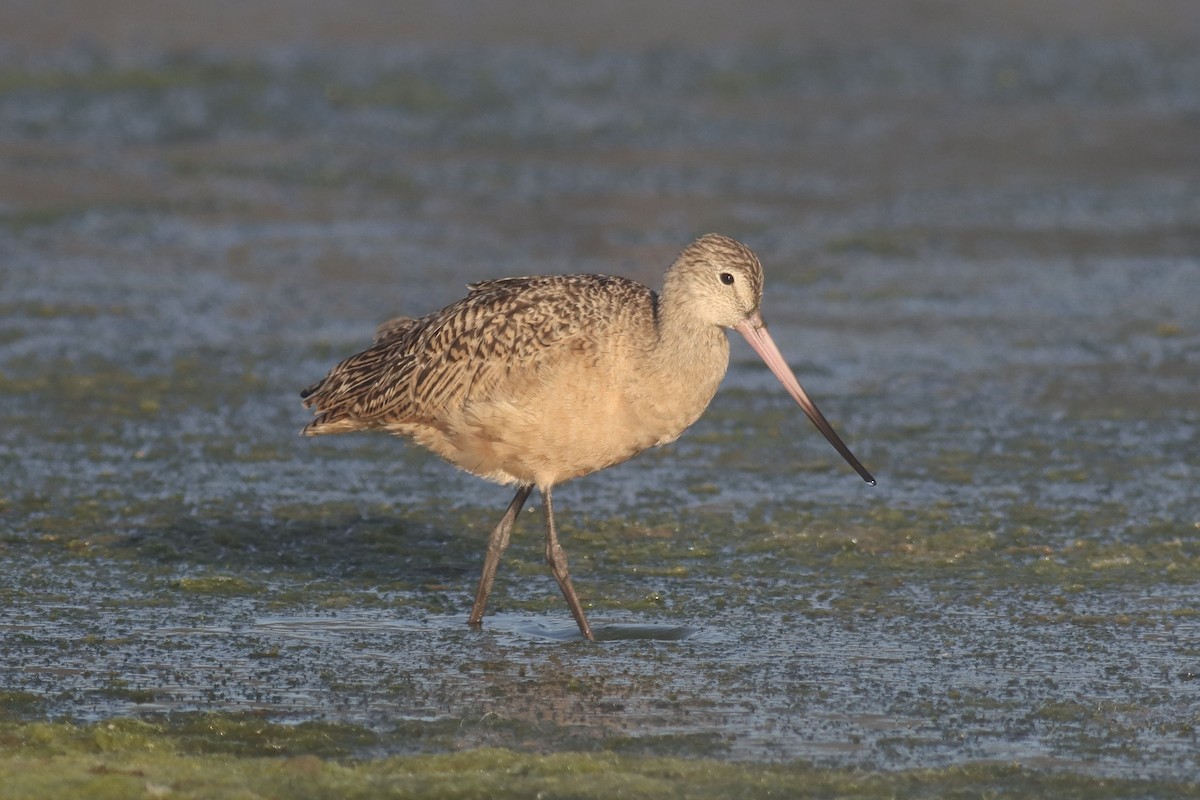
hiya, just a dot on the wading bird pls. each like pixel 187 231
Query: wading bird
pixel 535 381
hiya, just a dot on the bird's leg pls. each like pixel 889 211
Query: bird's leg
pixel 497 544
pixel 557 559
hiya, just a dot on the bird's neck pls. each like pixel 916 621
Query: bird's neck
pixel 680 328
pixel 690 356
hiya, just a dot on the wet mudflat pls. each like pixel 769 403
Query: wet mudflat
pixel 982 259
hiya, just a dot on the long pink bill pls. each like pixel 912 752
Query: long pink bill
pixel 755 331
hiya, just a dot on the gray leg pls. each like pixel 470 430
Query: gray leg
pixel 497 544
pixel 558 568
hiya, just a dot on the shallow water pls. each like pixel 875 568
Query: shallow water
pixel 982 260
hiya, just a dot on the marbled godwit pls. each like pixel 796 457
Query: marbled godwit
pixel 535 381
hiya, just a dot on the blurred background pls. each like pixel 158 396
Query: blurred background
pixel 980 224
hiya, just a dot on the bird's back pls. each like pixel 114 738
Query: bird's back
pixel 423 371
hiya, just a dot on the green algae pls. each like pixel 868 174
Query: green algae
pixel 408 90
pixel 885 244
pixel 215 757
pixel 226 585
pixel 172 73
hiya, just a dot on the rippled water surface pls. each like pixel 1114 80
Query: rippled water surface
pixel 982 259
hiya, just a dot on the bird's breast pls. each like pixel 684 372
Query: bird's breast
pixel 580 415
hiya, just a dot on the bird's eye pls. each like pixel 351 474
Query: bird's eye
pixel 727 278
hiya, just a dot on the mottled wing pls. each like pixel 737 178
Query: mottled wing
pixel 504 331
pixel 393 327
